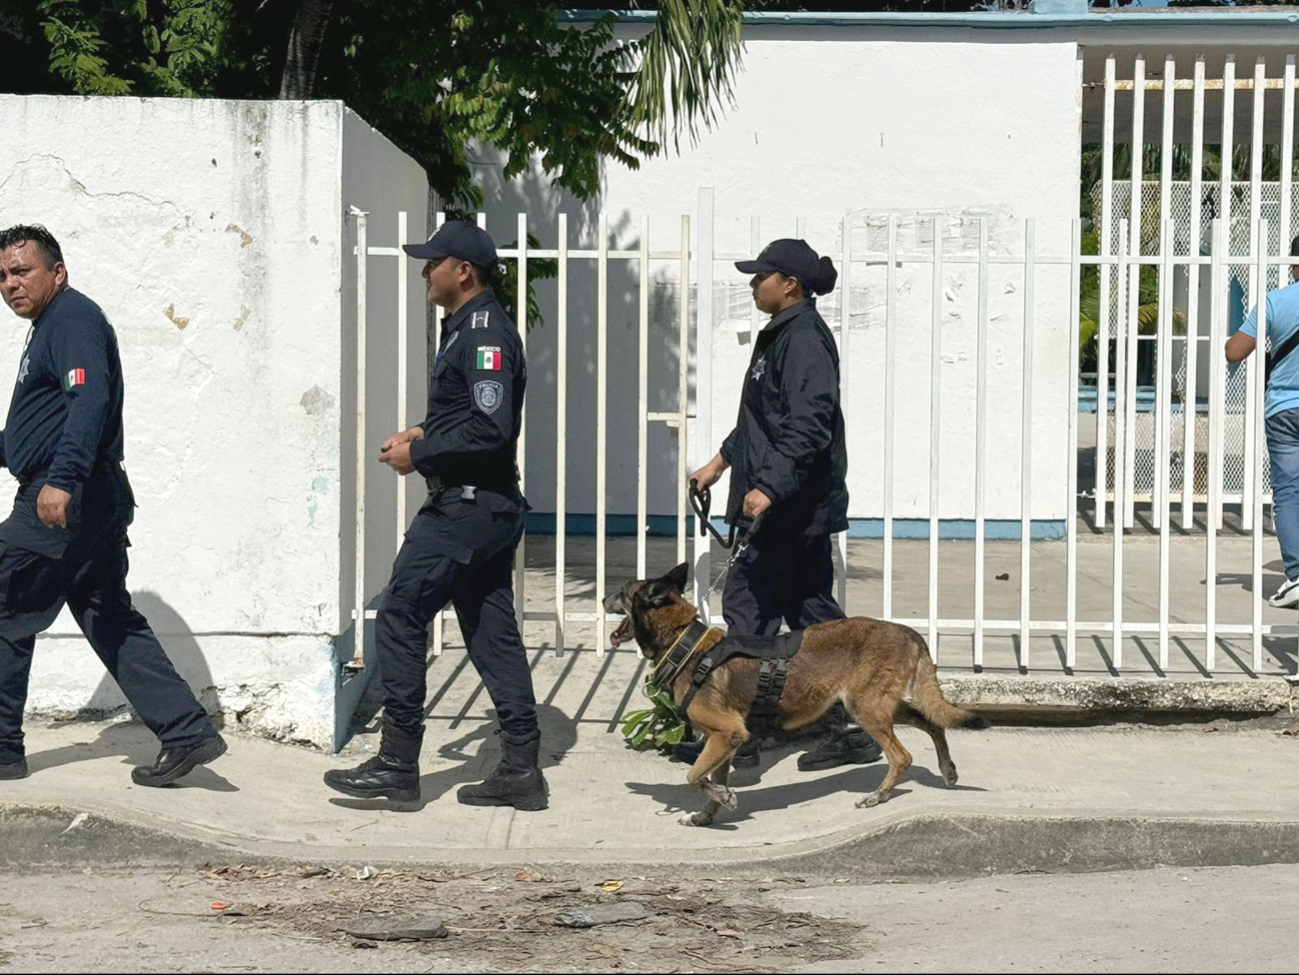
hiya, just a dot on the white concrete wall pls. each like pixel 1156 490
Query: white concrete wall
pixel 213 235
pixel 827 121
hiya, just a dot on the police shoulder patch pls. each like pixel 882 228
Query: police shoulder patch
pixel 488 395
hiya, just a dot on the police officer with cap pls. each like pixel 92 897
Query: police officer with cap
pixel 460 547
pixel 65 541
pixel 787 454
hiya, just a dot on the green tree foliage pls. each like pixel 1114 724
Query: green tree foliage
pixel 434 76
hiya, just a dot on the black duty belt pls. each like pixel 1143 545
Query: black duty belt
pixel 436 488
pixel 102 466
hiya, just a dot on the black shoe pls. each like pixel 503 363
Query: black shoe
pixel 517 781
pixel 851 747
pixel 392 774
pixel 14 770
pixel 747 755
pixel 178 761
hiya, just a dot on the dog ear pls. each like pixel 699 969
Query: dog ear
pixel 655 594
pixel 677 577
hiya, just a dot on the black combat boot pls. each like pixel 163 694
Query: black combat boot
pixel 846 745
pixel 517 781
pixel 392 774
pixel 747 755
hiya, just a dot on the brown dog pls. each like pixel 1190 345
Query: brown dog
pixel 870 665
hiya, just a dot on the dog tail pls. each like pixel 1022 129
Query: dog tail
pixel 927 694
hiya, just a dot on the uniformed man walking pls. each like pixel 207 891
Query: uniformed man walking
pixel 460 547
pixel 787 453
pixel 65 541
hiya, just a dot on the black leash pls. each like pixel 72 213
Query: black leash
pixel 701 501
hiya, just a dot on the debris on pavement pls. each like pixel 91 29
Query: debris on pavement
pixel 668 924
pixel 397 928
pixel 602 914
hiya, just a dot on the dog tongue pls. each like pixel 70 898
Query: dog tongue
pixel 617 637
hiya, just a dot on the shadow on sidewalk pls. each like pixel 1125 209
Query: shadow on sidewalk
pixel 473 764
pixel 848 785
pixel 137 746
pixel 133 741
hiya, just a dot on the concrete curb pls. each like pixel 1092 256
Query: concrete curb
pixel 911 847
pixel 1101 699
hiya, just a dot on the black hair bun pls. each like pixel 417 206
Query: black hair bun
pixel 826 276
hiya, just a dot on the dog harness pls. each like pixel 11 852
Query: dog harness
pixel 774 652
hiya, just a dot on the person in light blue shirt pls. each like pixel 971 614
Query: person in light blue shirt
pixel 1281 409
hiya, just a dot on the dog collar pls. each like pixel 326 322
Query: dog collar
pixel 675 660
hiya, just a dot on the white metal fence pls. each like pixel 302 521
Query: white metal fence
pixel 945 265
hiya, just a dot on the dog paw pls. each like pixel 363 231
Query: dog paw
pixel 695 819
pixel 949 775
pixel 724 796
pixel 869 801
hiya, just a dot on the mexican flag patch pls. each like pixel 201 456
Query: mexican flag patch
pixel 73 377
pixel 489 357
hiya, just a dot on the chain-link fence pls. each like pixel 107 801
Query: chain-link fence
pixel 1244 217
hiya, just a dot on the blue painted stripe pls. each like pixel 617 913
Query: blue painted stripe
pixel 665 526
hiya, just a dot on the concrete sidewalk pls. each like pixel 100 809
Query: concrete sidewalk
pixel 1028 799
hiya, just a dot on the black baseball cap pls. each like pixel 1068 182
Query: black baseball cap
pixel 792 258
pixel 459 239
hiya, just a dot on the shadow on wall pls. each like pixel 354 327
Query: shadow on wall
pixel 182 650
pixel 543 203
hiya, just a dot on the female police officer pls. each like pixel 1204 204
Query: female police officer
pixel 787 453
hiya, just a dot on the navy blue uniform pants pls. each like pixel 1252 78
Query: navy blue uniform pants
pixel 780 578
pixel 783 578
pixel 457 551
pixel 91 579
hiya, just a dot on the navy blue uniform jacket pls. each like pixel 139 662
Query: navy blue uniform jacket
pixel 475 400
pixel 789 438
pixel 65 424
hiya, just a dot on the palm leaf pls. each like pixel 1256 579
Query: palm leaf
pixel 688 65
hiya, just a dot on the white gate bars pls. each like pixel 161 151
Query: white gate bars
pixel 1119 263
pixel 362 251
